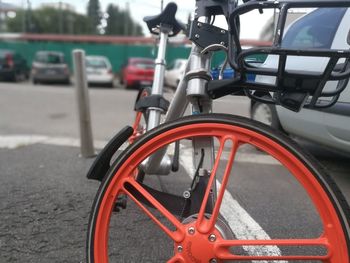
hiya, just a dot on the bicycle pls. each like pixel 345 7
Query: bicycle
pixel 195 216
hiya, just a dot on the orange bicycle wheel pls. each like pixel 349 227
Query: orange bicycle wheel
pixel 213 236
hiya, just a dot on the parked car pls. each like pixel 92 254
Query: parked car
pixel 13 66
pixel 99 71
pixel 174 72
pixel 50 67
pixel 137 72
pixel 322 28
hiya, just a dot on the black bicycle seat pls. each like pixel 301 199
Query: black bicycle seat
pixel 167 19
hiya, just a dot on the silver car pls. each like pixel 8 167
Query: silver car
pixel 50 67
pixel 99 71
pixel 330 126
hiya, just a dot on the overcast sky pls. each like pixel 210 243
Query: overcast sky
pixel 141 8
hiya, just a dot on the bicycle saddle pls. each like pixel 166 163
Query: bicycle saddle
pixel 167 19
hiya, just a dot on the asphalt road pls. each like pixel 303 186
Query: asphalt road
pixel 46 198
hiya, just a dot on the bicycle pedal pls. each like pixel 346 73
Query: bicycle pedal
pixel 121 203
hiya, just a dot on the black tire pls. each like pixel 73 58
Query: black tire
pixel 15 77
pixel 325 182
pixel 270 112
pixel 67 82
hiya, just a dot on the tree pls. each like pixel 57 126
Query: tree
pixel 49 20
pixel 119 22
pixel 94 15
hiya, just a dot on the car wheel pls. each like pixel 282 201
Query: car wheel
pixel 15 77
pixel 266 113
pixel 67 82
pixel 110 85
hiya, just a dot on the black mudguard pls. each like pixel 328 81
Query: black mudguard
pixel 101 164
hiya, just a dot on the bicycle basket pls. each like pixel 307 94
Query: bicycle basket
pixel 290 87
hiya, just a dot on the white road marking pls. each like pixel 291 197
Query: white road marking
pixel 242 224
pixel 258 158
pixel 17 141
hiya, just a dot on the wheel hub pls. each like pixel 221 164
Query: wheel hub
pixel 198 247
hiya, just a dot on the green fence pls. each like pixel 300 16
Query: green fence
pixel 117 53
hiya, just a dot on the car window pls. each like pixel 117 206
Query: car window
pixel 96 63
pixel 49 58
pixel 143 64
pixel 315 30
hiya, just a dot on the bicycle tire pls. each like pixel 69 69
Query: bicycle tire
pixel 321 184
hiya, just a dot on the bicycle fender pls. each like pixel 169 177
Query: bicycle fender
pixel 101 164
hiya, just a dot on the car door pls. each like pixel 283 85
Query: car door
pixel 325 126
pixel 337 118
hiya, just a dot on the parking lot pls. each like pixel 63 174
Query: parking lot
pixel 46 196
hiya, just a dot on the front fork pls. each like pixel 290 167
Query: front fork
pixel 191 89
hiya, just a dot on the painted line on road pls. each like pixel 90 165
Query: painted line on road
pixel 17 141
pixel 241 223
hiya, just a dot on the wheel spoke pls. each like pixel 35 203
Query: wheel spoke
pixel 201 221
pixel 136 192
pixel 222 249
pixel 176 259
pixel 205 226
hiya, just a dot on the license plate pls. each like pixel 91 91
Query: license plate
pixel 94 72
pixel 50 72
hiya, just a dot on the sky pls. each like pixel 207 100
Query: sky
pixel 141 8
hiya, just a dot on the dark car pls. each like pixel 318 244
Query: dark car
pixel 50 67
pixel 13 66
pixel 137 72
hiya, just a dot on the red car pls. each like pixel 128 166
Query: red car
pixel 137 72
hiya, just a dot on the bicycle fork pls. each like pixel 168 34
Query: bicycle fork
pixel 191 89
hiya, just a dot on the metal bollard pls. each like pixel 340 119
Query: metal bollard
pixel 86 138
